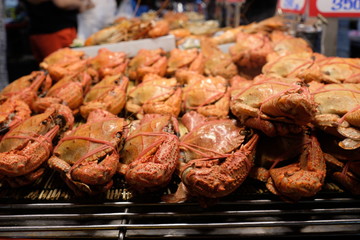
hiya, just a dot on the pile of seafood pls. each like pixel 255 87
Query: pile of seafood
pixel 151 25
pixel 124 29
pixel 270 109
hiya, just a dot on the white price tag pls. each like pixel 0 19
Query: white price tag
pixel 338 6
pixel 335 8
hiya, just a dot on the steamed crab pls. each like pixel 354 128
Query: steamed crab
pixel 315 67
pixel 333 70
pixel 155 95
pixel 88 157
pixel 346 173
pixel 147 61
pixel 283 44
pixel 343 165
pixel 217 63
pixel 185 60
pixel 128 29
pixel 338 111
pixel 17 98
pixel 12 112
pixel 250 51
pixel 64 62
pixel 151 152
pixel 27 88
pixel 290 65
pixel 26 147
pixel 112 34
pixel 109 94
pixel 61 55
pixel 276 106
pixel 69 91
pixel 215 158
pixel 303 178
pixel 267 25
pixel 206 95
pixel 159 28
pixel 107 62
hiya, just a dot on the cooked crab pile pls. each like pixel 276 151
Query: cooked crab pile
pixel 124 29
pixel 271 110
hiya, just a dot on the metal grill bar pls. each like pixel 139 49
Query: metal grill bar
pixel 122 220
pixel 48 210
pixel 182 225
pixel 56 205
pixel 172 214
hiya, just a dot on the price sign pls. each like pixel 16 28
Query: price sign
pixel 292 6
pixel 335 8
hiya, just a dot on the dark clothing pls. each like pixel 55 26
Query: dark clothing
pixel 257 10
pixel 47 18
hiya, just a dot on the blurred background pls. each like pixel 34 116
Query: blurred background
pixel 20 60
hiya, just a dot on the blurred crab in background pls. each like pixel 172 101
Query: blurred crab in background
pixel 155 95
pixel 69 91
pixel 107 62
pixel 206 95
pixel 184 61
pixel 64 62
pixel 217 63
pixel 147 61
pixel 109 94
pixel 250 52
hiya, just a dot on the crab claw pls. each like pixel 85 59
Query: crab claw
pixel 64 117
pixel 170 106
pixel 302 179
pixel 217 178
pixel 21 162
pixel 154 168
pixel 96 172
pixel 109 94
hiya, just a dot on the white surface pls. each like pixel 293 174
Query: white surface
pixel 225 47
pixel 132 47
pixel 96 18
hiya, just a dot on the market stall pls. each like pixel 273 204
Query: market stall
pixel 183 130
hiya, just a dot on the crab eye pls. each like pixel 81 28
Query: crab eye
pixel 44 122
pixel 246 132
pixel 118 134
pixel 60 120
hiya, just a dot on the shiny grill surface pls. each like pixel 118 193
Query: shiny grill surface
pixel 48 210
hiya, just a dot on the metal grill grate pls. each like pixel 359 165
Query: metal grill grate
pixel 48 210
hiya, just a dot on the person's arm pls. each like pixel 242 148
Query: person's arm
pixel 81 5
